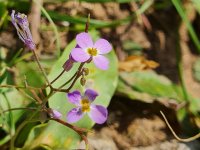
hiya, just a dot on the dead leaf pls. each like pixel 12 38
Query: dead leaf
pixel 137 63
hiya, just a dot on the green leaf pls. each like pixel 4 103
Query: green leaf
pixel 8 100
pixel 93 22
pixel 147 85
pixel 56 135
pixel 30 73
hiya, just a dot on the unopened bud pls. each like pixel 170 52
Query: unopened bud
pixel 83 81
pixel 54 113
pixel 86 71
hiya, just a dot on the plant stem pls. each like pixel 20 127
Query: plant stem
pixel 22 108
pixel 175 135
pixel 58 76
pixel 42 70
pixel 68 81
pixel 77 75
pixel 180 71
pixel 19 87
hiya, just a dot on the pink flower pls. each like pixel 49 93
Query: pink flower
pixel 87 49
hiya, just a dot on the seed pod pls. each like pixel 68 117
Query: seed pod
pixel 85 71
pixel 83 81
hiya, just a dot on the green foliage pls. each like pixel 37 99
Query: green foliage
pixel 179 7
pixel 82 20
pixel 147 86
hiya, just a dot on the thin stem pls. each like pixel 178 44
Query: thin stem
pixel 68 81
pixel 19 87
pixel 175 135
pixel 46 98
pixel 25 94
pixel 58 76
pixel 78 74
pixel 22 108
pixel 180 71
pixel 42 70
pixel 36 96
pixel 87 23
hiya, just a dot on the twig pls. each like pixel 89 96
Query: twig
pixel 23 108
pixel 36 96
pixel 175 135
pixel 58 76
pixel 68 81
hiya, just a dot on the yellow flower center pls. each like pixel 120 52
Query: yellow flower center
pixel 92 51
pixel 85 105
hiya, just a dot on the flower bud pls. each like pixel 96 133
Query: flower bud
pixel 83 81
pixel 85 71
pixel 54 113
pixel 69 63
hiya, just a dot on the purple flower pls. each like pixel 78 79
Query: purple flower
pixel 87 50
pixel 84 105
pixel 20 22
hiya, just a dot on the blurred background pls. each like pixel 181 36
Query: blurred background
pixel 157 46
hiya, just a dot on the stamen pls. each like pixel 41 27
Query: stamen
pixel 92 51
pixel 85 105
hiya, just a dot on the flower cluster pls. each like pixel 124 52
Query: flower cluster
pixel 86 51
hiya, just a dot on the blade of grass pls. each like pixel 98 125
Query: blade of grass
pixel 93 22
pixel 196 4
pixel 177 4
pixel 3 18
pixel 144 7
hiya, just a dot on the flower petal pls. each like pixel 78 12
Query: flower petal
pixel 91 94
pixel 74 97
pixel 103 46
pixel 84 40
pixel 56 114
pixel 13 18
pixel 98 113
pixel 29 43
pixel 80 55
pixel 74 115
pixel 101 62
